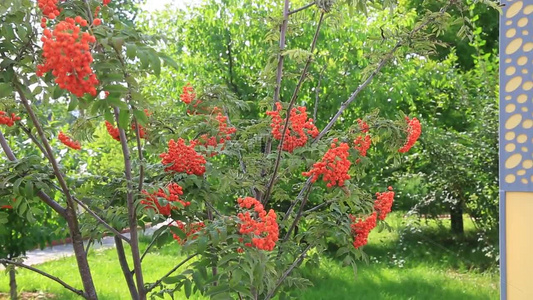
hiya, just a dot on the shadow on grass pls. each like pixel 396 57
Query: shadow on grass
pixel 412 243
pixel 381 282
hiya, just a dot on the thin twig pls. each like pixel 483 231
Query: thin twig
pixel 279 77
pixel 307 185
pixel 158 282
pixel 33 139
pixel 89 12
pixel 213 208
pixel 101 221
pixel 298 216
pixel 297 262
pixel 239 155
pixel 318 207
pixel 386 58
pixel 317 92
pixel 301 8
pixel 282 41
pixel 54 278
pixel 291 104
pixel 152 243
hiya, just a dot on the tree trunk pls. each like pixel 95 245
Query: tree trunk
pixel 456 216
pixel 126 269
pixel 80 254
pixel 12 283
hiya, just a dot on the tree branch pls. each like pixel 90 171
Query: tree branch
pixel 318 207
pixel 297 262
pixel 158 282
pixel 33 139
pixel 239 155
pixel 298 216
pixel 70 212
pixel 101 221
pixel 136 124
pixel 317 93
pixel 282 40
pixel 152 243
pixel 42 195
pixel 307 185
pixel 279 76
pixel 64 284
pixel 291 104
pixel 128 276
pixel 386 58
pixel 132 213
pixel 301 8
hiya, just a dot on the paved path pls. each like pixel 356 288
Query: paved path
pixel 39 256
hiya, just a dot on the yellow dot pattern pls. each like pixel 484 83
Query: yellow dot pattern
pixel 516 93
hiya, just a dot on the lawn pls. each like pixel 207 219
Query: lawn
pixel 421 263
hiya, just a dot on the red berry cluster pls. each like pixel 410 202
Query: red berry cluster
pixel 106 2
pixel 264 231
pixel 142 133
pixel 49 9
pixel 181 158
pixel 188 229
pixel 67 141
pixel 224 134
pixel 362 228
pixel 112 130
pixel 334 165
pixel 413 133
pixel 66 52
pixel 295 136
pixel 383 204
pixel 5 119
pixel 174 191
pixel 362 144
pixel 188 95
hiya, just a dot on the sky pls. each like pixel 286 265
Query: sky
pixel 152 5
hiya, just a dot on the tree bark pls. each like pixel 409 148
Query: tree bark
pixel 128 276
pixel 12 283
pixel 456 216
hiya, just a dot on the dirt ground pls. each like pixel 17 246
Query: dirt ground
pixel 29 296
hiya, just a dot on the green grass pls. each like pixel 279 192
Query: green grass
pixel 421 262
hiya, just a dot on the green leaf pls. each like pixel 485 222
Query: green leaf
pixel 202 244
pixel 145 62
pixel 182 235
pixel 16 186
pixel 187 286
pixel 123 119
pixel 57 92
pixel 140 116
pixel 73 103
pixel 5 90
pixel 155 63
pixel 117 43
pixel 108 115
pixel 169 61
pixel 29 189
pixel 131 50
